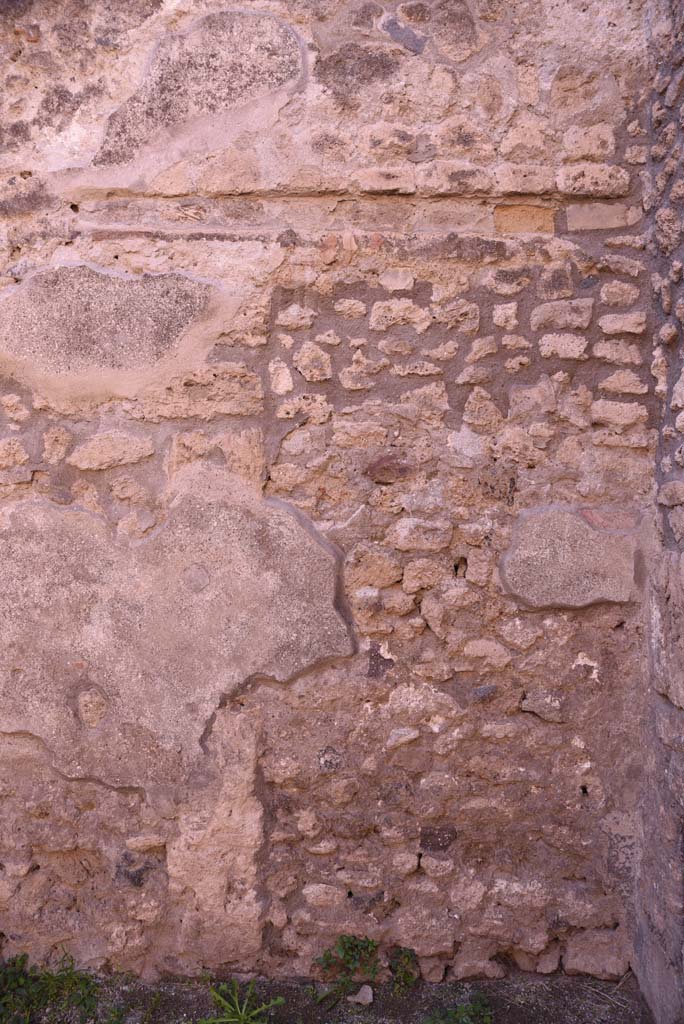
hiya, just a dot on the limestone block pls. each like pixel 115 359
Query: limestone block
pixel 602 952
pixel 564 346
pixel 399 311
pixel 312 362
pixel 527 219
pixel 623 323
pixel 558 560
pixel 12 453
pixel 110 449
pixel 594 143
pixel 570 314
pixel 601 216
pixel 618 414
pixel 593 180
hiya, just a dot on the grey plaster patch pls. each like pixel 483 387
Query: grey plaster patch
pixel 558 560
pixel 228 59
pixel 73 319
pixel 163 630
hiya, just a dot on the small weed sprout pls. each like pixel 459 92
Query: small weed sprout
pixel 236 1010
pixel 403 964
pixel 477 1011
pixel 350 960
pixel 27 991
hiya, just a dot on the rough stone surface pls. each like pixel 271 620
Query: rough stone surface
pixel 558 559
pixel 80 321
pixel 130 622
pixel 106 450
pixel 340 374
pixel 230 58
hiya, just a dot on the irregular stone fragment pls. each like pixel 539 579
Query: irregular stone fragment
pixel 397 279
pixel 111 449
pixel 619 293
pixel 351 309
pixel 14 409
pixel 558 560
pixel 593 180
pixel 12 453
pixel 466 448
pixel 677 399
pixel 564 315
pixel 226 60
pixel 493 654
pixel 328 338
pixel 280 376
pixel 357 377
pixel 451 22
pixel 127 623
pixel 224 389
pixel 418 368
pixel 671 493
pixel 399 311
pixel 410 534
pixel 564 346
pixel 364 997
pixel 481 348
pixel 294 317
pixel 314 408
pixel 353 68
pixel 594 143
pixel 624 382
pixel 668 230
pixel 313 363
pixel 543 704
pixel 400 737
pixel 603 952
pixel 459 314
pixel 480 410
pixel 618 414
pixel 617 352
pixel 623 323
pixel 506 315
pixel 56 441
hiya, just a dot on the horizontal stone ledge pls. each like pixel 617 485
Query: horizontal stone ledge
pixel 507 187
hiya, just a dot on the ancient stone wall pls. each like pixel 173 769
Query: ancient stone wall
pixel 660 876
pixel 329 424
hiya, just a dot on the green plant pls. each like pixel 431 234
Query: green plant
pixel 150 1010
pixel 477 1011
pixel 26 992
pixel 403 964
pixel 350 960
pixel 233 1010
pixel 115 1016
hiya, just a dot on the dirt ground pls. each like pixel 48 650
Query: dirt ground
pixel 519 999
